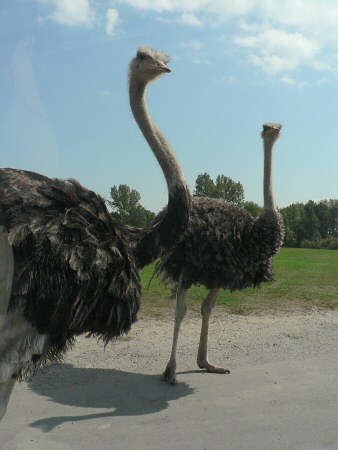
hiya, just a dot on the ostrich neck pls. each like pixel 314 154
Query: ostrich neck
pixel 269 202
pixel 266 235
pixel 169 226
pixel 157 142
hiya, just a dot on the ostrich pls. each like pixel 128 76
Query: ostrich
pixel 75 269
pixel 223 247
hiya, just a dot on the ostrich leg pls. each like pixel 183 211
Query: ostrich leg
pixel 5 392
pixel 202 356
pixel 6 278
pixel 169 375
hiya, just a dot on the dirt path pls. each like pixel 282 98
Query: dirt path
pixel 234 341
pixel 281 393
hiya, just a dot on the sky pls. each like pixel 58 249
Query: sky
pixel 64 109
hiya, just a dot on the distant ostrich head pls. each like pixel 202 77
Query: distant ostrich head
pixel 271 131
pixel 148 65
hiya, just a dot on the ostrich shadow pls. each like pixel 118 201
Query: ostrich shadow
pixel 122 393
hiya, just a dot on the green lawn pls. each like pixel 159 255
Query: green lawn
pixel 305 279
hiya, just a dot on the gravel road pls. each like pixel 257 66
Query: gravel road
pixel 282 392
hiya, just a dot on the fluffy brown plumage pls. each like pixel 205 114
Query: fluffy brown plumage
pixel 74 268
pixel 223 247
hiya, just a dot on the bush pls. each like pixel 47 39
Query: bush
pixel 330 243
pixel 309 244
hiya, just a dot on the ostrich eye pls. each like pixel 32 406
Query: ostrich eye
pixel 142 56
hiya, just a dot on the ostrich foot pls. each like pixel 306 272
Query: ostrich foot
pixel 211 368
pixel 169 375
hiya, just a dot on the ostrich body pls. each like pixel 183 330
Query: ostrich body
pixel 223 247
pixel 75 268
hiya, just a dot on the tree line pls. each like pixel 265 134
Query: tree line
pixel 311 225
pixel 307 225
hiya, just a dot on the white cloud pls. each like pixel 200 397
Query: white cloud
pixel 276 50
pixel 307 30
pixel 305 14
pixel 164 19
pixel 252 27
pixel 225 8
pixel 112 17
pixel 291 82
pixel 190 19
pixel 196 45
pixel 70 12
pixel 311 17
pixel 319 18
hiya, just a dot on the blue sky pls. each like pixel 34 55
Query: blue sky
pixel 64 108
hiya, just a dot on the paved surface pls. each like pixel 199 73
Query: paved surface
pixel 285 405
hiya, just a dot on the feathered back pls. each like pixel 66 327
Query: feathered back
pixel 74 269
pixel 221 248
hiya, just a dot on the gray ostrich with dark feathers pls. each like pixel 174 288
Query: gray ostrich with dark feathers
pixel 66 266
pixel 223 247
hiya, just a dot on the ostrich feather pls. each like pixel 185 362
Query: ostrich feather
pixel 63 233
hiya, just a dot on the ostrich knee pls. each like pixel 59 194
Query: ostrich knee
pixel 209 303
pixel 181 312
pixel 206 309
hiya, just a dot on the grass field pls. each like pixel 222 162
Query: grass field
pixel 305 279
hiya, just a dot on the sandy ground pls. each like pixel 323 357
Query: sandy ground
pixel 111 398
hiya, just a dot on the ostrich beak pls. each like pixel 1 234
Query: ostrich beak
pixel 164 68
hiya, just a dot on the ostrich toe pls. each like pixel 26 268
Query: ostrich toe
pixel 211 368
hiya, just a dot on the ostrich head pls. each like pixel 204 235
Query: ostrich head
pixel 148 65
pixel 271 131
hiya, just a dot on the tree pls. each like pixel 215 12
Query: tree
pixel 229 190
pixel 224 188
pixel 322 211
pixel 333 230
pixel 140 217
pixel 126 207
pixel 327 213
pixel 310 224
pixel 293 216
pixel 253 208
pixel 204 186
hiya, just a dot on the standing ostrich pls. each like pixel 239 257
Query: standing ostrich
pixel 75 269
pixel 223 247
